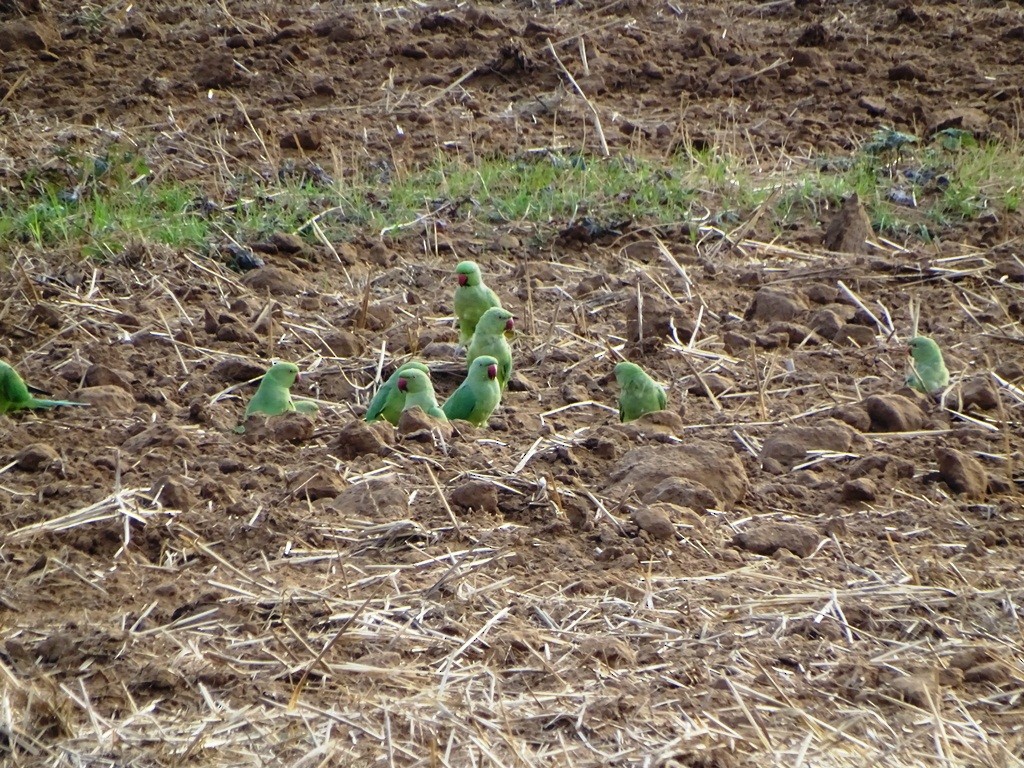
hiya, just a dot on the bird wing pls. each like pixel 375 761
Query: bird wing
pixel 460 403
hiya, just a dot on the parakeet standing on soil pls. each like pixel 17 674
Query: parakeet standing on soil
pixel 928 371
pixel 273 397
pixel 477 396
pixel 420 392
pixel 14 394
pixel 489 339
pixel 472 299
pixel 640 393
pixel 389 400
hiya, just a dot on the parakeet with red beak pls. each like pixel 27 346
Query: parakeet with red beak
pixel 389 400
pixel 419 392
pixel 472 299
pixel 489 339
pixel 477 396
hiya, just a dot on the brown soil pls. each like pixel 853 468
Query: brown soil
pixel 556 589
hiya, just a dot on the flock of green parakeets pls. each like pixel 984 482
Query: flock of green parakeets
pixel 483 324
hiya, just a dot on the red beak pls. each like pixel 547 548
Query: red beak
pixel 298 377
pixel 511 324
pixel 463 279
pixel 403 384
pixel 492 371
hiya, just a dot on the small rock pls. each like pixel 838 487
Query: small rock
pixel 236 370
pixel 655 520
pixel 766 538
pixel 235 332
pixel 358 438
pixel 172 492
pixel 854 335
pixel 287 243
pixel 894 413
pixel 376 499
pixel 47 315
pixel 682 492
pixel 414 421
pixel 969 119
pixel 907 71
pixel 478 495
pixel 106 400
pixel 993 672
pixel 308 139
pixel 854 415
pixel 341 343
pixel 718 384
pixel 101 376
pixel 790 445
pixel 875 106
pixel 217 70
pixel 275 281
pixel 826 323
pixel 962 473
pixel 772 304
pixel 796 333
pixel 736 342
pixel 861 489
pixel 1010 371
pixel 713 465
pixel 36 457
pixel 850 229
pixel 317 485
pixel 918 690
pixel 291 428
pixel 157 435
pixel 980 392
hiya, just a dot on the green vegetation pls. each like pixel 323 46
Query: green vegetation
pixel 911 188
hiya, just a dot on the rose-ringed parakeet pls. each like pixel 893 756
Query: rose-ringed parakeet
pixel 472 299
pixel 14 394
pixel 928 371
pixel 420 392
pixel 477 396
pixel 273 396
pixel 389 400
pixel 640 393
pixel 489 339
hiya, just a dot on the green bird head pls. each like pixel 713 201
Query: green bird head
pixel 468 273
pixel 924 350
pixel 495 321
pixel 413 380
pixel 484 367
pixel 282 374
pixel 627 371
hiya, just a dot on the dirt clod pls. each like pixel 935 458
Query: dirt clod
pixel 767 538
pixel 36 457
pixel 477 495
pixel 962 473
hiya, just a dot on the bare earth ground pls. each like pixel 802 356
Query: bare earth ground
pixel 177 594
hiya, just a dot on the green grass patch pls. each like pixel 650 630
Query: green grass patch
pixel 912 189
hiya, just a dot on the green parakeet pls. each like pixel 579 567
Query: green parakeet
pixel 273 396
pixel 640 393
pixel 489 339
pixel 477 396
pixel 420 392
pixel 472 299
pixel 389 400
pixel 14 394
pixel 928 371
